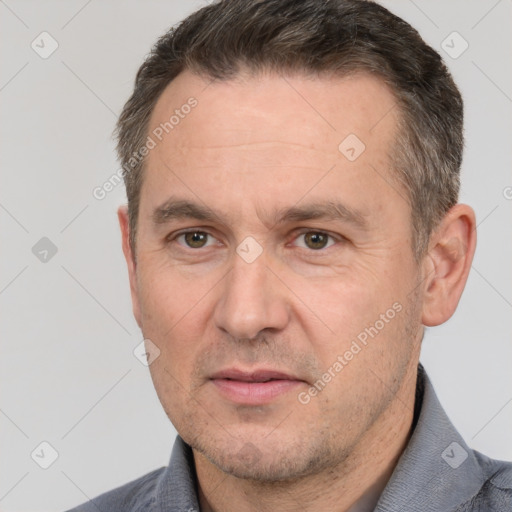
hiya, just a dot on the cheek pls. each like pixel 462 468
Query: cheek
pixel 344 304
pixel 174 312
pixel 166 294
pixel 360 310
pixel 173 317
pixel 366 356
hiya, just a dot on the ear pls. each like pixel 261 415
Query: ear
pixel 447 264
pixel 122 215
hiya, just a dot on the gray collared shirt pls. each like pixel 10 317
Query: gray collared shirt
pixel 437 472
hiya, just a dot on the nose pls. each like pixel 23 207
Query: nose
pixel 251 300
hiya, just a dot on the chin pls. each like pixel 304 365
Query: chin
pixel 265 461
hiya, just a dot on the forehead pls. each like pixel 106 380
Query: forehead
pixel 261 104
pixel 273 137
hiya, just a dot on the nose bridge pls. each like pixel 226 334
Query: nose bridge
pixel 251 299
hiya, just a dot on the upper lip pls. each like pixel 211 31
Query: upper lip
pixel 259 375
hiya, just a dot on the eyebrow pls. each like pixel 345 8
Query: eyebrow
pixel 329 210
pixel 175 209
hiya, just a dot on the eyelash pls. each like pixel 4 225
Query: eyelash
pixel 336 239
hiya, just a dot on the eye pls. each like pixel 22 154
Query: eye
pixel 315 240
pixel 195 239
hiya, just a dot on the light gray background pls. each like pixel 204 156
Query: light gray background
pixel 68 373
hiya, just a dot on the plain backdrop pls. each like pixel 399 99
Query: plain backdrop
pixel 68 374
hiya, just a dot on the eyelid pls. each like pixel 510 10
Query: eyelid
pixel 192 229
pixel 172 237
pixel 302 231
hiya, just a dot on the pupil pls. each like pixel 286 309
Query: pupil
pixel 195 239
pixel 316 240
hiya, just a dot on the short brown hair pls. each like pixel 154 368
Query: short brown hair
pixel 315 37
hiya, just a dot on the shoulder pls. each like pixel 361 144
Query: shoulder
pixel 135 496
pixel 495 493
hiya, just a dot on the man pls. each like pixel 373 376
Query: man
pixel 292 172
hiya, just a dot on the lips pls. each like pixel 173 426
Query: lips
pixel 256 387
pixel 253 376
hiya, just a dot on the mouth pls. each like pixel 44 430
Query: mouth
pixel 257 387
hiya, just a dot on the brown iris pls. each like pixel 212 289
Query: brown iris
pixel 316 240
pixel 196 239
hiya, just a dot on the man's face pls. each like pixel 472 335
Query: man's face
pixel 273 262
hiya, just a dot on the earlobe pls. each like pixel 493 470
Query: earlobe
pixel 124 224
pixel 448 263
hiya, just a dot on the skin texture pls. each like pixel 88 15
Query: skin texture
pixel 252 148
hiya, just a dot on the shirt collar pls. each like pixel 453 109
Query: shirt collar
pixel 437 470
pixel 176 490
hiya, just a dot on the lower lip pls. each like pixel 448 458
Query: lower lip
pixel 254 393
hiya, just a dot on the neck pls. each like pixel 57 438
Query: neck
pixel 354 485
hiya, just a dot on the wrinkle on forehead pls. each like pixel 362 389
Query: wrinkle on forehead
pixel 294 109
